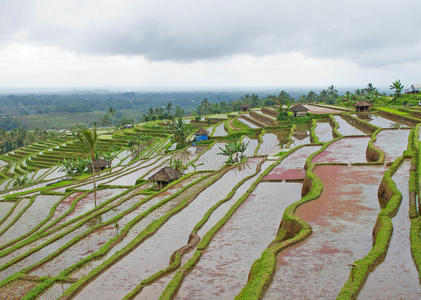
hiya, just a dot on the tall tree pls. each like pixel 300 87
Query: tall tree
pixel 88 140
pixel 169 108
pixel 398 87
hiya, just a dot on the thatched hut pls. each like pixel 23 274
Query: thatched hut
pixel 100 165
pixel 299 110
pixel 362 106
pixel 245 107
pixel 164 176
pixel 201 135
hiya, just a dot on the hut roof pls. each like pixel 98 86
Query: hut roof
pixel 101 163
pixel 202 131
pixel 166 174
pixel 299 107
pixel 245 105
pixel 362 103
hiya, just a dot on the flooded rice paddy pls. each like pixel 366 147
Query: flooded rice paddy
pixel 323 131
pixel 134 232
pixel 347 129
pixel 345 150
pixel 342 220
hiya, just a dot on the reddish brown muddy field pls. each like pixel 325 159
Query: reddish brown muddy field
pixel 345 150
pixel 397 276
pixel 225 264
pixel 342 220
pixel 324 132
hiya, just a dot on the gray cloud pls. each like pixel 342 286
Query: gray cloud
pixel 371 33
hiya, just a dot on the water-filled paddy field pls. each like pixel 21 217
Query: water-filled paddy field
pixel 212 233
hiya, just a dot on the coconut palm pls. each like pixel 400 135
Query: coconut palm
pixel 88 140
pixel 398 87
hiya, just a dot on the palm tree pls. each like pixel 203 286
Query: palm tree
pixel 180 133
pixel 169 108
pixel 88 139
pixel 398 87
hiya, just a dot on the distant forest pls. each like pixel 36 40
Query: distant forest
pixel 67 109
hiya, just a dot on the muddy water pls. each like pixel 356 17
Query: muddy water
pixel 321 110
pixel 36 213
pixel 87 203
pixel 211 159
pixel 100 236
pixel 251 146
pixel 262 113
pixel 397 276
pixel 141 225
pixel 383 122
pixel 154 253
pixel 224 266
pixel 270 145
pixel 57 173
pixel 21 205
pixel 324 132
pixel 189 154
pixel 154 290
pixel 55 291
pixel 249 124
pixel 220 130
pixel 300 137
pixel 292 167
pixel 342 220
pixel 222 209
pixel 130 179
pixel 5 208
pixel 392 142
pixel 347 129
pixel 345 150
pixel 62 207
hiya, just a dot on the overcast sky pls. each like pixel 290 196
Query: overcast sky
pixel 200 43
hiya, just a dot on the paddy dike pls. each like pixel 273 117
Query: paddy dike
pixel 397 276
pixel 342 220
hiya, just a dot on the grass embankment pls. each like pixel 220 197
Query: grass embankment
pixel 374 154
pixel 359 123
pixel 314 139
pixel 335 127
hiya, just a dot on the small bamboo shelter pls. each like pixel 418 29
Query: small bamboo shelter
pixel 299 110
pixel 245 107
pixel 164 176
pixel 201 135
pixel 362 106
pixel 100 165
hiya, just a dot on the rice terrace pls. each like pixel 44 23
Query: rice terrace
pixel 322 202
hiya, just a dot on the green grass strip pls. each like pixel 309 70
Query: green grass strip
pixel 335 126
pixel 374 154
pixel 9 212
pixel 147 232
pixel 415 235
pixel 313 137
pixel 34 229
pixel 18 216
pixel 260 138
pixel 107 246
